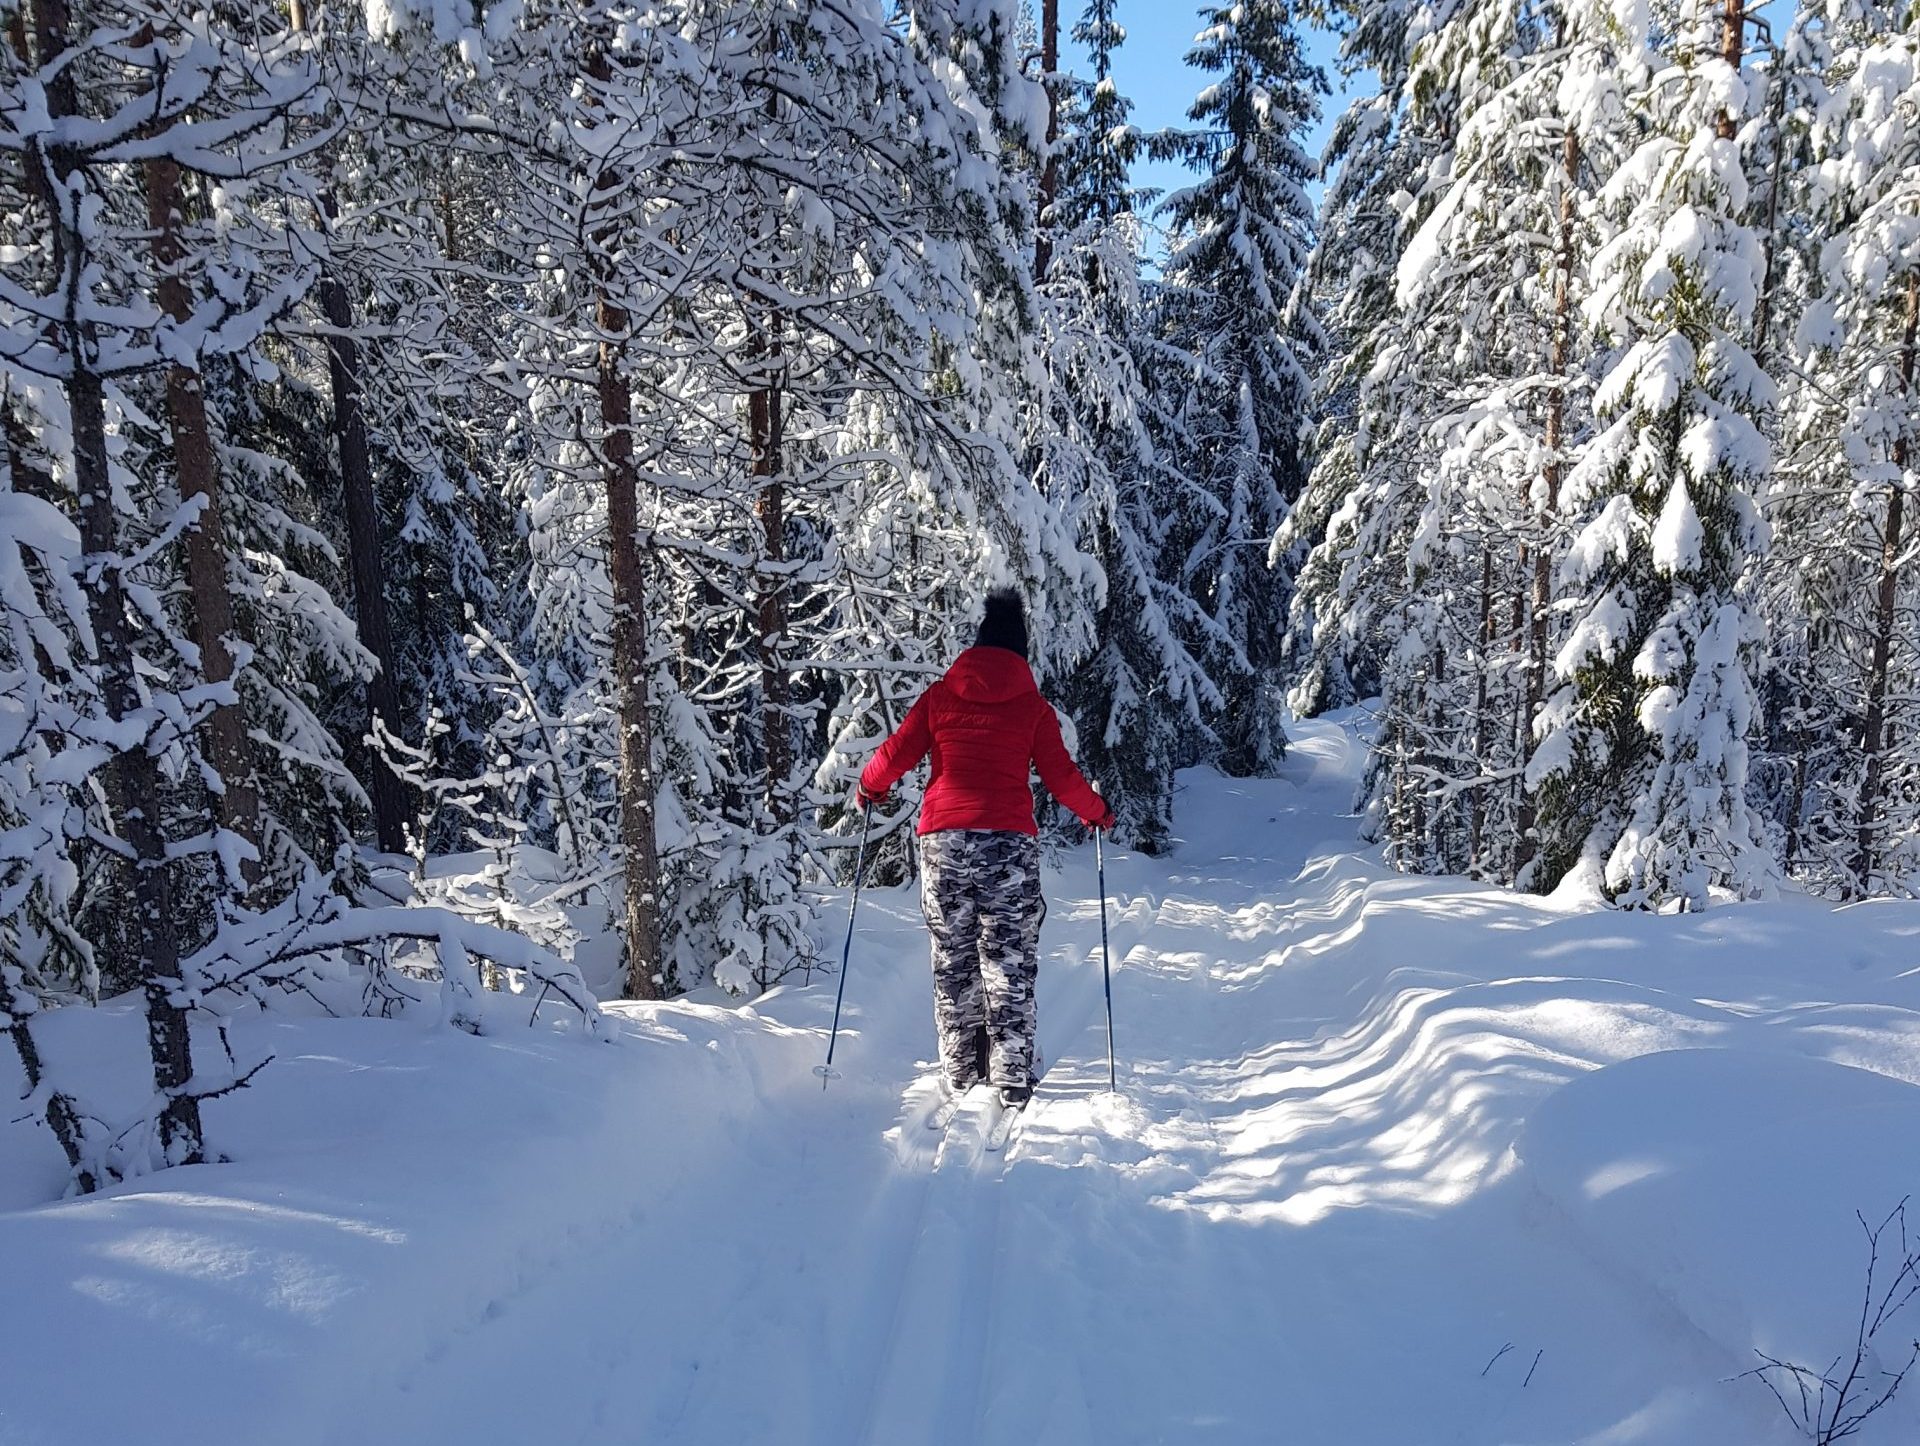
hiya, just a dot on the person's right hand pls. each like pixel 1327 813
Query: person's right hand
pixel 1107 820
pixel 868 800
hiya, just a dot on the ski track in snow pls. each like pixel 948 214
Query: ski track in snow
pixel 1384 1147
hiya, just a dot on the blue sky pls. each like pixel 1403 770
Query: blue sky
pixel 1151 70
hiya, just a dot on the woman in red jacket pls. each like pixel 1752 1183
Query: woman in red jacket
pixel 986 726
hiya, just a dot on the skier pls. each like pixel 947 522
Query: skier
pixel 986 725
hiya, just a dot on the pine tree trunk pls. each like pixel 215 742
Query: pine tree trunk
pixel 1542 599
pixel 1733 16
pixel 1477 817
pixel 1873 728
pixel 1050 171
pixel 212 622
pixel 366 548
pixel 132 779
pixel 1796 815
pixel 365 544
pixel 1763 313
pixel 646 975
pixel 62 1116
pixel 766 424
pixel 1433 815
pixel 637 836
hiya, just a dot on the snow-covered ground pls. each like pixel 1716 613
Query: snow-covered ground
pixel 1394 1160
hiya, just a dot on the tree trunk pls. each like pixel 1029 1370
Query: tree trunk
pixel 1732 37
pixel 646 978
pixel 1873 728
pixel 1796 815
pixel 1542 599
pixel 1763 313
pixel 237 803
pixel 132 780
pixel 637 837
pixel 1477 816
pixel 1050 170
pixel 365 543
pixel 366 548
pixel 766 425
pixel 62 1116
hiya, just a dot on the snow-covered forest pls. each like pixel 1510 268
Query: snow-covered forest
pixel 482 476
pixel 479 479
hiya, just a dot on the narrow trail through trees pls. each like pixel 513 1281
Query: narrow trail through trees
pixel 1306 1191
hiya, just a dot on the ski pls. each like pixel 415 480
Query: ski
pixel 943 1113
pixel 1002 1128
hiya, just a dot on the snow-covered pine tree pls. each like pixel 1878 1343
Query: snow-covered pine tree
pixel 1338 536
pixel 1477 391
pixel 1141 701
pixel 808 356
pixel 1234 306
pixel 1845 577
pixel 128 330
pixel 1642 766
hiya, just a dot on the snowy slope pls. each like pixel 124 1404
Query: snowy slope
pixel 1395 1160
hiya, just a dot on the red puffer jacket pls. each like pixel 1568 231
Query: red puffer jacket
pixel 986 726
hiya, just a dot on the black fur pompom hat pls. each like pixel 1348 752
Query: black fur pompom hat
pixel 1005 622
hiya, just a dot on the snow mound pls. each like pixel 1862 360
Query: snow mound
pixel 1725 1183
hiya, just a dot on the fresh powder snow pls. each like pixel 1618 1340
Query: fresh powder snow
pixel 1393 1159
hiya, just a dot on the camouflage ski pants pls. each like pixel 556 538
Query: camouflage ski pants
pixel 981 892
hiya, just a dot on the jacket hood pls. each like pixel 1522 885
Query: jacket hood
pixel 990 675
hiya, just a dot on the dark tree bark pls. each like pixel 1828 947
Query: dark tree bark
pixel 62 1116
pixel 766 426
pixel 237 804
pixel 366 546
pixel 638 836
pixel 1873 728
pixel 1477 816
pixel 366 542
pixel 1050 170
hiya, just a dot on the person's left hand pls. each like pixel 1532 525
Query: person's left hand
pixel 868 800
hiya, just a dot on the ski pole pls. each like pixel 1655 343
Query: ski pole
pixel 1106 957
pixel 825 1071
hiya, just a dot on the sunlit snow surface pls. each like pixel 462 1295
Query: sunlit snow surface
pixel 1384 1147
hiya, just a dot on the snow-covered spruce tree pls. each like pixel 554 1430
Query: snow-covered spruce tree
pixel 1846 660
pixel 352 215
pixel 579 218
pixel 1336 536
pixel 1141 701
pixel 409 238
pixel 939 493
pixel 1642 765
pixel 1476 392
pixel 995 130
pixel 1234 305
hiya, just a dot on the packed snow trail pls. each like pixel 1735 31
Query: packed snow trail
pixel 1393 1160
